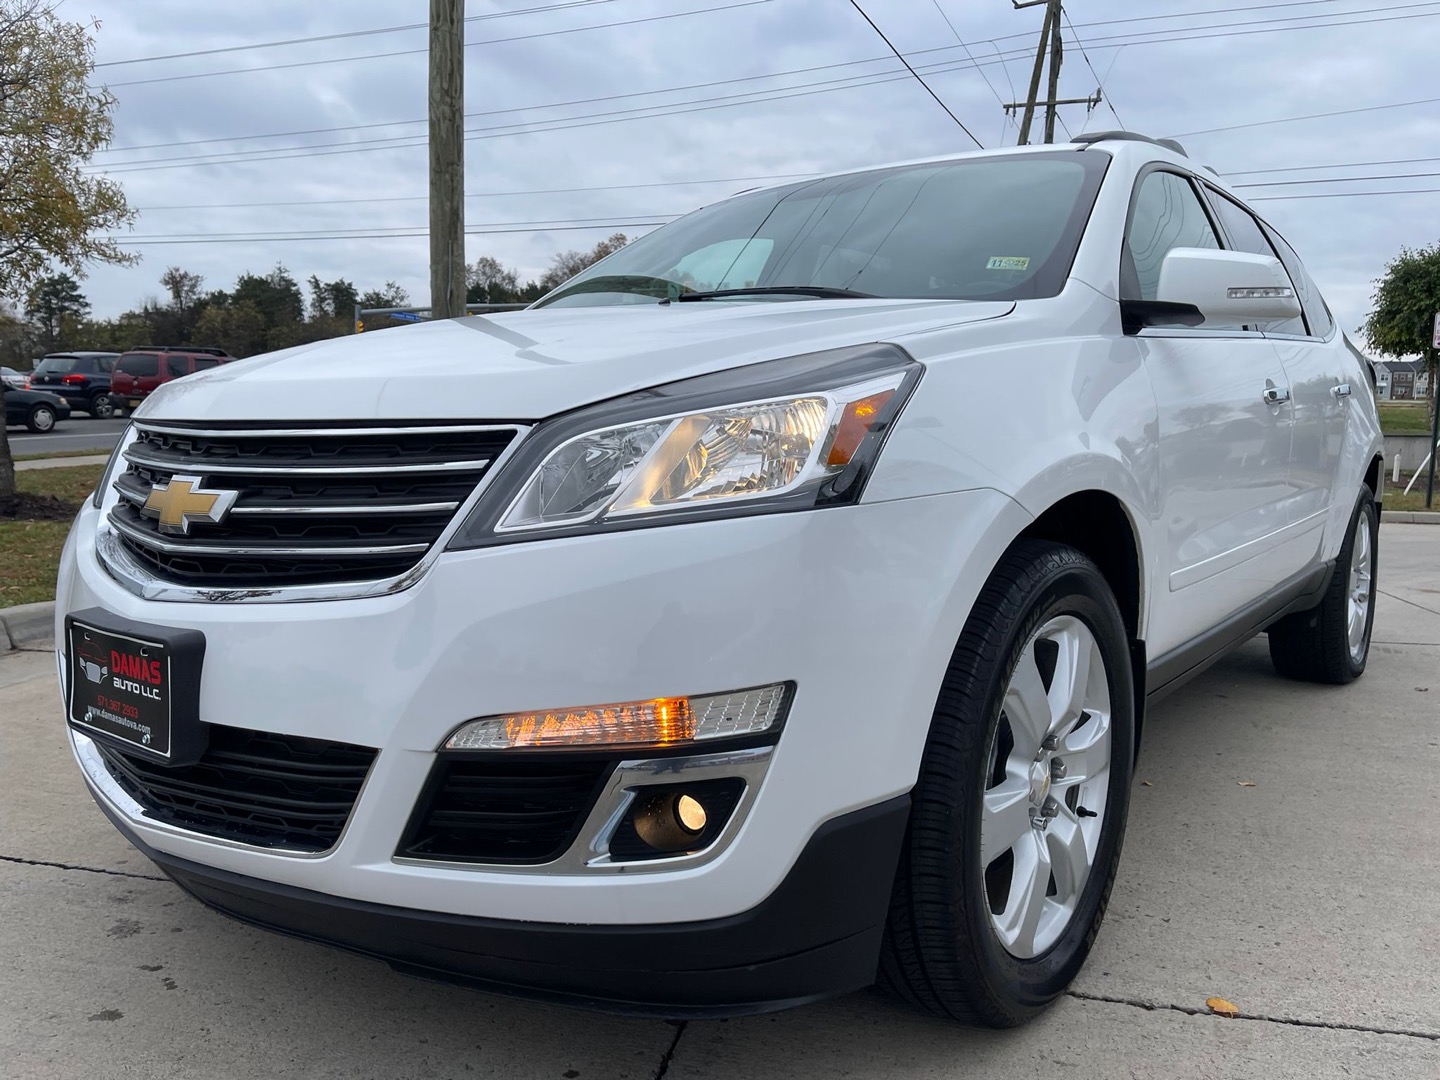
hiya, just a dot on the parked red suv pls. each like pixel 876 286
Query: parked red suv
pixel 141 370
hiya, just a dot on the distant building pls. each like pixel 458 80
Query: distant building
pixel 1409 380
pixel 1382 381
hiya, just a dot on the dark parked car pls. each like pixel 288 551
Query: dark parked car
pixel 139 371
pixel 81 378
pixel 37 410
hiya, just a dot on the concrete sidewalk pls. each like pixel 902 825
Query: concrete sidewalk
pixel 1309 899
pixel 61 462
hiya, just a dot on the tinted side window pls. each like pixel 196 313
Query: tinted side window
pixel 1167 214
pixel 139 365
pixel 1246 235
pixel 1316 313
pixel 176 366
pixel 107 363
pixel 204 365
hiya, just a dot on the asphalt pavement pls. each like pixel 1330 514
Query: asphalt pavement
pixel 80 432
pixel 1281 854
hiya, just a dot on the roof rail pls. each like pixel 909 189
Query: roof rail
pixel 1085 138
pixel 210 350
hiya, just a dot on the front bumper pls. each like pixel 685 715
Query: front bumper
pixel 816 936
pixel 858 607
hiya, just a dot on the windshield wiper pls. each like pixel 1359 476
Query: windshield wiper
pixel 823 292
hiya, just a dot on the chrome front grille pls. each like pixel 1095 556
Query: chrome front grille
pixel 314 506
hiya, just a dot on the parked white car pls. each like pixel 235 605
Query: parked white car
pixel 774 604
pixel 12 378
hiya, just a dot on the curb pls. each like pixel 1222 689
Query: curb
pixel 26 624
pixel 1410 517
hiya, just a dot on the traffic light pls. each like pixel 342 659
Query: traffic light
pixel 359 326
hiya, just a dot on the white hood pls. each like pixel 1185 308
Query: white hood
pixel 526 365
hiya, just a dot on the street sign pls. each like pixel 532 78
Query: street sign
pixel 410 316
pixel 1436 341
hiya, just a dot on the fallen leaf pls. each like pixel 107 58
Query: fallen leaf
pixel 1146 783
pixel 1422 689
pixel 1220 1007
pixel 1246 783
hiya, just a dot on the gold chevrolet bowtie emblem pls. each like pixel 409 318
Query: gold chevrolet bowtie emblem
pixel 184 500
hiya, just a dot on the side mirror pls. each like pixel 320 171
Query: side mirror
pixel 1228 287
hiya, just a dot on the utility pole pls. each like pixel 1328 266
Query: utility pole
pixel 1050 40
pixel 447 158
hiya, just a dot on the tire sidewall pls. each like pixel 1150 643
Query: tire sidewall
pixel 102 407
pixel 1081 592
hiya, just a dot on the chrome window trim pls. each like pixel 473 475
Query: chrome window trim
pixel 135 577
pixel 590 851
pixel 1196 332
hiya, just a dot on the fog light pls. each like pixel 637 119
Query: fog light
pixel 690 813
pixel 659 722
pixel 675 819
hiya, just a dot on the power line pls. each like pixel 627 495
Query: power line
pixel 1341 165
pixel 1098 81
pixel 968 53
pixel 1344 195
pixel 383 235
pixel 412 52
pixel 538 225
pixel 478 194
pixel 1338 180
pixel 856 5
pixel 1310 116
pixel 345 34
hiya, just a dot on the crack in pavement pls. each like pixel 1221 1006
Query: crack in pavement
pixel 1412 603
pixel 1150 1006
pixel 664 1066
pixel 86 869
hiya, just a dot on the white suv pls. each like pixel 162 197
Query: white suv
pixel 771 606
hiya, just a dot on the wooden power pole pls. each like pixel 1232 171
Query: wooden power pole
pixel 1050 40
pixel 447 158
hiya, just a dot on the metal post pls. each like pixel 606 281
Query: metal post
pixel 1434 425
pixel 447 158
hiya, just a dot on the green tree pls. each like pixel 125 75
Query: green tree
pixel 183 287
pixel 276 296
pixel 237 328
pixel 489 281
pixel 55 308
pixel 52 121
pixel 332 299
pixel 1405 302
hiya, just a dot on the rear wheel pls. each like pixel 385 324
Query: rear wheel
pixel 102 406
pixel 1019 810
pixel 1330 643
pixel 41 419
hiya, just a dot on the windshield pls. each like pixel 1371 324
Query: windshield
pixel 1000 228
pixel 56 365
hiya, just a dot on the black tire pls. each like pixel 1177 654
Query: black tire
pixel 102 406
pixel 41 419
pixel 941 952
pixel 1314 645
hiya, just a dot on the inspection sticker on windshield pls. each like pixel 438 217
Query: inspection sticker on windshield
pixel 1008 262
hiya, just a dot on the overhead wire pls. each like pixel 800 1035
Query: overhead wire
pixel 899 56
pixel 1099 82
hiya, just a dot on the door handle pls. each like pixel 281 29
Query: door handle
pixel 1276 395
pixel 1341 390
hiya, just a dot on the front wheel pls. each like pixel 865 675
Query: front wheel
pixel 41 419
pixel 1330 643
pixel 1019 810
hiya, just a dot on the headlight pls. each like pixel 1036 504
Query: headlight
pixel 784 435
pixel 117 458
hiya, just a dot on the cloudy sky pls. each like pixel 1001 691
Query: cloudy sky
pixel 585 117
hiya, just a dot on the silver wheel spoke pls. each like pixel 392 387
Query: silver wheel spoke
pixel 1357 607
pixel 1019 923
pixel 1006 820
pixel 1071 683
pixel 1086 751
pixel 1070 856
pixel 1026 704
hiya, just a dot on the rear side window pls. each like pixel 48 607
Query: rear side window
pixel 1316 313
pixel 175 366
pixel 1167 214
pixel 202 364
pixel 138 365
pixel 106 363
pixel 1246 235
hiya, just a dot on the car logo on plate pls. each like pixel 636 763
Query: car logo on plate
pixel 185 500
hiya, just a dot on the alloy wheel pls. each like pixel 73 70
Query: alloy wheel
pixel 1047 787
pixel 1357 608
